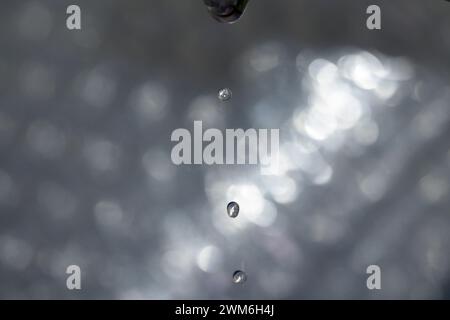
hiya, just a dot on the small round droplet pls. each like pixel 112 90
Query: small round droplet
pixel 233 209
pixel 239 276
pixel 224 94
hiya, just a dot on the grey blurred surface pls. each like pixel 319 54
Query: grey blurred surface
pixel 86 176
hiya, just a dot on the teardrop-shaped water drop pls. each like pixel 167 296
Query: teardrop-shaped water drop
pixel 233 209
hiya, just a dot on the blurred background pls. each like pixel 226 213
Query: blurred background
pixel 86 176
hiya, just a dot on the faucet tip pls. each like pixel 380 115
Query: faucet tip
pixel 227 11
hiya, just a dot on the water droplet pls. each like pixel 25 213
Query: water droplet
pixel 228 11
pixel 224 94
pixel 233 209
pixel 239 276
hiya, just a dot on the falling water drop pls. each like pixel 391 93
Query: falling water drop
pixel 239 276
pixel 224 94
pixel 233 209
pixel 228 11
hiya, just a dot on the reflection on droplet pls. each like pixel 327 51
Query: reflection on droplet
pixel 226 10
pixel 239 276
pixel 224 94
pixel 233 209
